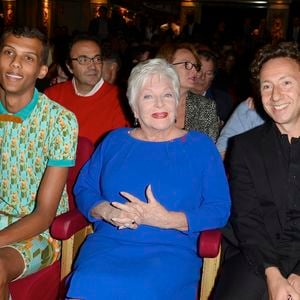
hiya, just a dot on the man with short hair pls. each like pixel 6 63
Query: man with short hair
pixel 111 67
pixel 100 25
pixel 38 139
pixel 204 85
pixel 262 260
pixel 95 102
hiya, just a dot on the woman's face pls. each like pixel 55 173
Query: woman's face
pixel 187 77
pixel 155 106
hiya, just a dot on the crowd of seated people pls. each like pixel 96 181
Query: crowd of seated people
pixel 90 78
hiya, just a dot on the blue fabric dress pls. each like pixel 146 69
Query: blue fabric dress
pixel 186 175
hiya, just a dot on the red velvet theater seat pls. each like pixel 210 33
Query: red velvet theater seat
pixel 209 248
pixel 40 285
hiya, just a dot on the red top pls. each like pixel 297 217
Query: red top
pixel 96 114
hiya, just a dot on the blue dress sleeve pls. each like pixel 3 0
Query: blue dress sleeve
pixel 87 188
pixel 214 208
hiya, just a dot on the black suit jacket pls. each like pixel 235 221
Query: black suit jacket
pixel 258 182
pixel 223 100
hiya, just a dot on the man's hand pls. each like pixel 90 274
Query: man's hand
pixel 279 287
pixel 294 281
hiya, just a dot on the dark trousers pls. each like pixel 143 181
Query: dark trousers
pixel 238 282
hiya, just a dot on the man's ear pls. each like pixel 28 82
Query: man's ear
pixel 43 71
pixel 114 70
pixel 69 68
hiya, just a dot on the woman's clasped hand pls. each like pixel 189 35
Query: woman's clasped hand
pixel 134 212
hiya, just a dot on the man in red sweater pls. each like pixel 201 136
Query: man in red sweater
pixel 95 102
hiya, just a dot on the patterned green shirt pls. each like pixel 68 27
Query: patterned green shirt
pixel 46 137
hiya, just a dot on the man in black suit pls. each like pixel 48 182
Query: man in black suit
pixel 263 262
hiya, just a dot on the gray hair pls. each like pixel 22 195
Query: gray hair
pixel 141 72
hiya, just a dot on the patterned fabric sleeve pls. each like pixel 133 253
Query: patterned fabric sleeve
pixel 63 140
pixel 213 123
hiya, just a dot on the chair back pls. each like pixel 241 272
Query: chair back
pixel 84 151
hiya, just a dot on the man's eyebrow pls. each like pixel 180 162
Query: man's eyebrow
pixel 12 47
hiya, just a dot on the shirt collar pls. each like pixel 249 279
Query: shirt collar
pixel 26 110
pixel 93 91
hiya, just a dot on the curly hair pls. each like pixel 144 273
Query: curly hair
pixel 282 49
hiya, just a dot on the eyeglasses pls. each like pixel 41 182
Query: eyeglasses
pixel 188 65
pixel 85 60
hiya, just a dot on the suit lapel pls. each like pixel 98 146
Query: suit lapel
pixel 275 170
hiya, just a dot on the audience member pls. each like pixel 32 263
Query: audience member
pixel 151 29
pixel 111 67
pixel 243 118
pixel 277 30
pixel 100 25
pixel 194 112
pixel 59 72
pixel 95 102
pixel 264 35
pixel 204 85
pixel 38 140
pixel 227 76
pixel 191 31
pixel 294 32
pixel 171 29
pixel 149 191
pixel 263 261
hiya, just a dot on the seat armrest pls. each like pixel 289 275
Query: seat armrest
pixel 67 224
pixel 209 243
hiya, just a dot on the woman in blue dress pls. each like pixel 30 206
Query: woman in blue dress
pixel 149 192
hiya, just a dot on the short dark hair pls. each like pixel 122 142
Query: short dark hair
pixel 209 55
pixel 269 51
pixel 112 57
pixel 28 32
pixel 102 9
pixel 80 38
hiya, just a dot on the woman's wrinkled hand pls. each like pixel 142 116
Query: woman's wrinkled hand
pixel 127 217
pixel 152 213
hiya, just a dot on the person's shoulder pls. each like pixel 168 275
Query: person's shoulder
pixel 243 107
pixel 254 133
pixel 108 86
pixel 199 137
pixel 109 89
pixel 59 86
pixel 114 138
pixel 54 107
pixel 193 96
pixel 201 100
pixel 200 145
pixel 218 93
pixel 118 132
